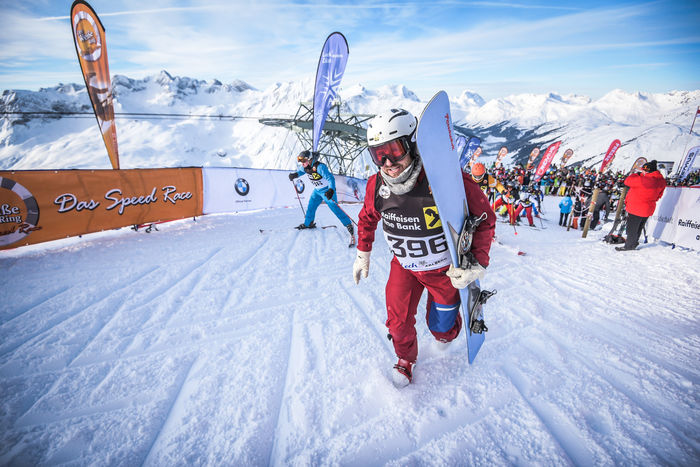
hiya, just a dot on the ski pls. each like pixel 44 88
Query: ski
pixel 294 228
pixel 436 147
pixel 508 247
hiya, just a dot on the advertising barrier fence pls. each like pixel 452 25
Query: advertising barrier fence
pixel 42 205
pixel 677 217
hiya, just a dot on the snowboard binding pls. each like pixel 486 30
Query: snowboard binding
pixel 464 243
pixel 477 326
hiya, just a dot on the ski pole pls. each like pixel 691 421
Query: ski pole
pixel 299 199
pixel 338 205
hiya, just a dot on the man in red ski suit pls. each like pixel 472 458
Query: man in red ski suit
pixel 400 196
pixel 645 189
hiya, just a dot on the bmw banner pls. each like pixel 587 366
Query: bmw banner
pixel 472 146
pixel 460 146
pixel 331 66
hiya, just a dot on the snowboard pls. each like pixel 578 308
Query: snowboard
pixel 436 146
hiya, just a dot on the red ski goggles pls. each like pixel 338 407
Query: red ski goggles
pixel 394 151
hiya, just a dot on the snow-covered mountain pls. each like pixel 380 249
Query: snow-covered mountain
pixel 218 124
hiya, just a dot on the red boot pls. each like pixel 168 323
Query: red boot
pixel 403 373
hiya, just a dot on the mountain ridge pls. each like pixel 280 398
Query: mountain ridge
pixel 652 125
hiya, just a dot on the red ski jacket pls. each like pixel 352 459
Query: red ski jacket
pixel 645 189
pixel 477 203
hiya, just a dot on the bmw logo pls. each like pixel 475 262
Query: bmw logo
pixel 242 187
pixel 299 186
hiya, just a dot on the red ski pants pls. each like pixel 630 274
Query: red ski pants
pixel 403 291
pixel 528 213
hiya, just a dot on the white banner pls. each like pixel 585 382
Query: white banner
pixel 677 218
pixel 688 162
pixel 233 190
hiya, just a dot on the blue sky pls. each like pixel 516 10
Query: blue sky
pixel 494 48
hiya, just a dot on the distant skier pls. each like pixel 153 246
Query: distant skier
pixel 323 183
pixel 525 203
pixel 399 195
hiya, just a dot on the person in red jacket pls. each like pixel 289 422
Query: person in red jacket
pixel 645 189
pixel 399 195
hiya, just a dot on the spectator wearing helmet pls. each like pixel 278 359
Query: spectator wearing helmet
pixel 478 173
pixel 525 203
pixel 323 183
pixel 399 196
pixel 645 189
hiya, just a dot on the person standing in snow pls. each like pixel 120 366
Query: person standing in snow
pixel 399 195
pixel 323 183
pixel 602 202
pixel 565 206
pixel 645 189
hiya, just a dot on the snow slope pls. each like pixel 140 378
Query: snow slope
pixel 209 342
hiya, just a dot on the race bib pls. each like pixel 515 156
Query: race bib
pixel 317 181
pixel 419 253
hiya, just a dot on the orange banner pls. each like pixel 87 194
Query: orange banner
pixel 533 155
pixel 501 154
pixel 90 45
pixel 42 205
pixel 567 155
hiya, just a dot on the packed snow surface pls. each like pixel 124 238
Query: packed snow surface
pixel 211 343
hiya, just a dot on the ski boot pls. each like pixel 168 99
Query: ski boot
pixel 402 373
pixel 351 230
pixel 303 226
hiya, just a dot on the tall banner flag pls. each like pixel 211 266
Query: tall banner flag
pixel 331 66
pixel 501 154
pixel 610 155
pixel 637 166
pixel 697 112
pixel 476 155
pixel 90 45
pixel 461 148
pixel 687 164
pixel 470 150
pixel 546 160
pixel 533 155
pixel 567 155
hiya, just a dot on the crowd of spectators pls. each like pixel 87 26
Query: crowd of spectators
pixel 510 188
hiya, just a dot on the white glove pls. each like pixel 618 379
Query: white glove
pixel 461 278
pixel 361 266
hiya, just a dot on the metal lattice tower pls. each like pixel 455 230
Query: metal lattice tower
pixel 342 140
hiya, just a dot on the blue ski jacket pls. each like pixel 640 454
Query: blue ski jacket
pixel 565 205
pixel 320 177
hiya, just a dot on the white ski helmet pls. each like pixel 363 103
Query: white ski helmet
pixel 390 125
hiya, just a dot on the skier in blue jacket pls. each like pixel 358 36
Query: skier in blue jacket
pixel 323 182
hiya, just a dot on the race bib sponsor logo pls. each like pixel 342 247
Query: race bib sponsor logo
pixel 432 218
